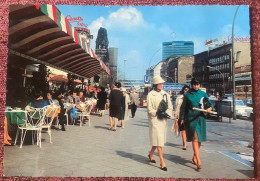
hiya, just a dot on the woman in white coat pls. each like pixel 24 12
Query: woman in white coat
pixel 125 116
pixel 157 127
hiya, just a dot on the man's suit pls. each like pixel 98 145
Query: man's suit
pixel 134 98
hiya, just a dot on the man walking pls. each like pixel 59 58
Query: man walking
pixel 134 98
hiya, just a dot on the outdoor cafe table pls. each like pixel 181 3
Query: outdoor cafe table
pixel 15 116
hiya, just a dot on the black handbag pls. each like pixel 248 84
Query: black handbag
pixel 163 106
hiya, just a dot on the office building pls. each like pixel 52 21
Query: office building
pixel 177 48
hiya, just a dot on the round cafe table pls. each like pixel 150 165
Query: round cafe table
pixel 15 116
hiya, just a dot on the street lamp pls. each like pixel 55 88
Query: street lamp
pixel 124 69
pixel 171 45
pixel 222 77
pixel 233 68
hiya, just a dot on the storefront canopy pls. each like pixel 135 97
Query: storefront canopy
pixel 42 34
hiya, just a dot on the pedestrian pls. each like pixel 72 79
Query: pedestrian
pixel 157 125
pixel 179 101
pixel 115 108
pixel 134 98
pixel 194 121
pixel 101 101
pixel 126 101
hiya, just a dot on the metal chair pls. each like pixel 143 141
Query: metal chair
pixel 51 113
pixel 33 122
pixel 85 113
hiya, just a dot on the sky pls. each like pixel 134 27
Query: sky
pixel 138 31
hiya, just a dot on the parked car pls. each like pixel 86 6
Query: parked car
pixel 228 96
pixel 242 111
pixel 248 102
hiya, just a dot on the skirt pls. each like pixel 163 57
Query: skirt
pixel 115 111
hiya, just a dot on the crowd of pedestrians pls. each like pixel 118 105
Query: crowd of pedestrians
pixel 191 123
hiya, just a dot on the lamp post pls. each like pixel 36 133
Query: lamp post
pixel 222 77
pixel 233 68
pixel 124 69
pixel 171 45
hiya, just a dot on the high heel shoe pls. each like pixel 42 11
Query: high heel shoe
pixel 198 167
pixel 163 168
pixel 152 161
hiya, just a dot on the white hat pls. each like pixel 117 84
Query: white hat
pixel 157 80
pixel 123 89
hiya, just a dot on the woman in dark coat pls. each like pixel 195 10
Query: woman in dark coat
pixel 102 100
pixel 194 121
pixel 115 108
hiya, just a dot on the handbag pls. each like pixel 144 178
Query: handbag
pixel 161 111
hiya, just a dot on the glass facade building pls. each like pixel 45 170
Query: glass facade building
pixel 177 48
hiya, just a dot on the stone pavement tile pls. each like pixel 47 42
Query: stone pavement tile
pixel 27 169
pixel 54 172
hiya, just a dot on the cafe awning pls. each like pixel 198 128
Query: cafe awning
pixel 57 78
pixel 42 34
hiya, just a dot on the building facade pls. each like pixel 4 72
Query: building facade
pixel 215 69
pixel 177 48
pixel 155 70
pixel 180 69
pixel 113 58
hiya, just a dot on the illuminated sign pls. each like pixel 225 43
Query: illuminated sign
pixel 76 19
pixel 229 38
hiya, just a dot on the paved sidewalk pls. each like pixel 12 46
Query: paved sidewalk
pixel 97 152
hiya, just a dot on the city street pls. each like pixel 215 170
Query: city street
pixel 96 151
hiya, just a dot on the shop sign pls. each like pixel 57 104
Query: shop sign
pixel 243 69
pixel 76 19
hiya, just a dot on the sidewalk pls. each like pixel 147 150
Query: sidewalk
pixel 97 152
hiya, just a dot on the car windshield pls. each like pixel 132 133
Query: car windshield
pixel 240 103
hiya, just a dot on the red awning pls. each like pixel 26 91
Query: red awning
pixel 42 34
pixel 57 78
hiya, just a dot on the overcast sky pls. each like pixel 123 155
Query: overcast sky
pixel 138 31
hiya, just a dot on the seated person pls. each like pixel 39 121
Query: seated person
pixel 82 97
pixel 39 102
pixel 74 100
pixel 62 118
pixel 51 101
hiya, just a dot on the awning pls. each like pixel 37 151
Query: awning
pixel 42 34
pixel 57 78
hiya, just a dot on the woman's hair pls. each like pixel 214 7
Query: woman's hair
pixel 183 88
pixel 118 84
pixel 154 87
pixel 195 81
pixel 102 89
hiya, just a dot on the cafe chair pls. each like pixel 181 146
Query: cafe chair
pixel 51 114
pixel 67 116
pixel 34 120
pixel 86 114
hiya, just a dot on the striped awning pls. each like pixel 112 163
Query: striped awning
pixel 42 34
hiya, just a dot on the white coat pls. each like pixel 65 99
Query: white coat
pixel 157 127
pixel 127 101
